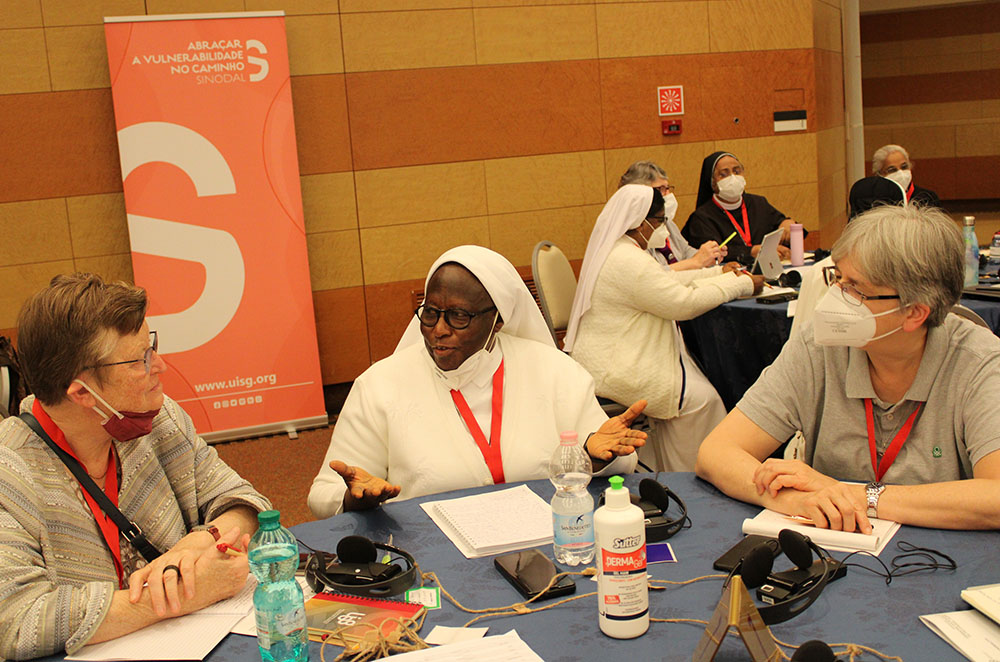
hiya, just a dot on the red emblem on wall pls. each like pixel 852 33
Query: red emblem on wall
pixel 671 99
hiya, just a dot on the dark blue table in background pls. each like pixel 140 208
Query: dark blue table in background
pixel 736 341
pixel 859 608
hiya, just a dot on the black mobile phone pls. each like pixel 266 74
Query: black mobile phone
pixel 731 557
pixel 777 298
pixel 530 572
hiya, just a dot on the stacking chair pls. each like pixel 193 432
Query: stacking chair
pixel 5 391
pixel 969 314
pixel 556 285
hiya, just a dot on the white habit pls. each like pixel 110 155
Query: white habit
pixel 399 423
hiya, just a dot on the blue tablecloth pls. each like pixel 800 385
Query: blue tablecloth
pixel 736 341
pixel 858 608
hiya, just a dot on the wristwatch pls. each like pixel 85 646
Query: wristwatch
pixel 872 492
pixel 211 528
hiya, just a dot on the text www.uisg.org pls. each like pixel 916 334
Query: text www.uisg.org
pixel 237 382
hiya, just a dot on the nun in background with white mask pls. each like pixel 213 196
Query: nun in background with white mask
pixel 723 207
pixel 895 398
pixel 623 329
pixel 893 162
pixel 678 254
pixel 476 393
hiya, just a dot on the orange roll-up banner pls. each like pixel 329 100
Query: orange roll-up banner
pixel 203 110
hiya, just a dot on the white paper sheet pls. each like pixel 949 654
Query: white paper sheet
pixel 769 523
pixel 502 648
pixel 190 637
pixel 970 633
pixel 493 522
pixel 985 598
pixel 442 634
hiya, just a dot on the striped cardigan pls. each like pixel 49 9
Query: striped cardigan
pixel 57 576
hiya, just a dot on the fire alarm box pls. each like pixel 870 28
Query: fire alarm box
pixel 671 127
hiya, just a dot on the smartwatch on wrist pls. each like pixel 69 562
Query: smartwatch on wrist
pixel 873 491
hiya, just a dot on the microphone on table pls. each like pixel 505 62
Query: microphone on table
pixel 814 651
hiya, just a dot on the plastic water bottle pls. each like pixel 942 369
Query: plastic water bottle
pixel 995 249
pixel 282 635
pixel 971 251
pixel 622 589
pixel 572 506
pixel 795 240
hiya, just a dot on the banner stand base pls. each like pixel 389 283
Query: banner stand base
pixel 290 428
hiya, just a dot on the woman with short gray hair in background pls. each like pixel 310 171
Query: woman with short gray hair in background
pixel 678 254
pixel 894 397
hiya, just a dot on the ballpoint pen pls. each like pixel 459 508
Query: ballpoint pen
pixel 226 548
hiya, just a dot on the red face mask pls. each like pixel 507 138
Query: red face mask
pixel 123 425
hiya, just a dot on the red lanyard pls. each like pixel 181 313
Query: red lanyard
pixel 909 192
pixel 490 449
pixel 107 526
pixel 890 453
pixel 745 230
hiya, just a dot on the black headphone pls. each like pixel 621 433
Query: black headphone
pixel 814 650
pixel 356 571
pixel 790 278
pixel 654 499
pixel 756 566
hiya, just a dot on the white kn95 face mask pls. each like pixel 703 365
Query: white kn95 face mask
pixel 838 323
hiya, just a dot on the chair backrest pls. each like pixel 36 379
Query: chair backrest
pixel 556 285
pixel 969 314
pixel 810 292
pixel 5 391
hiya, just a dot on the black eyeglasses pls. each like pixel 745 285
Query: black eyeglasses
pixel 656 220
pixel 850 293
pixel 147 356
pixel 456 318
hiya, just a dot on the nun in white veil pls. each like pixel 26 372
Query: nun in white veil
pixel 623 329
pixel 474 394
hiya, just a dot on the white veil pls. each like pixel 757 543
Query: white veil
pixel 626 209
pixel 520 314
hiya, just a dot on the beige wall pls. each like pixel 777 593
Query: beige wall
pixel 423 124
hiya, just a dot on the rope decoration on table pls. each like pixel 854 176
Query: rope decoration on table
pixel 518 608
pixel 851 650
pixel 408 639
pixel 378 646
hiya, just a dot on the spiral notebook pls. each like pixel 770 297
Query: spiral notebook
pixel 493 522
pixel 769 523
pixel 346 620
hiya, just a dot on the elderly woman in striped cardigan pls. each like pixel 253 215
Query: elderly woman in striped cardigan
pixel 99 428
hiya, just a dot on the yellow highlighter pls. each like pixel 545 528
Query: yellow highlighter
pixel 727 240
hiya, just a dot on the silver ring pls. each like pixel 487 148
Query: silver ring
pixel 174 568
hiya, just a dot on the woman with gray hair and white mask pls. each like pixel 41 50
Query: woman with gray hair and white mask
pixel 893 162
pixel 678 254
pixel 895 398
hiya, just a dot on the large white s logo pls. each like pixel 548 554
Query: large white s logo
pixel 259 61
pixel 214 249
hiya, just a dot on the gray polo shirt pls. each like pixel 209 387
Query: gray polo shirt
pixel 821 390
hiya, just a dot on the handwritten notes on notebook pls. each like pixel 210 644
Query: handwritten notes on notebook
pixel 493 522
